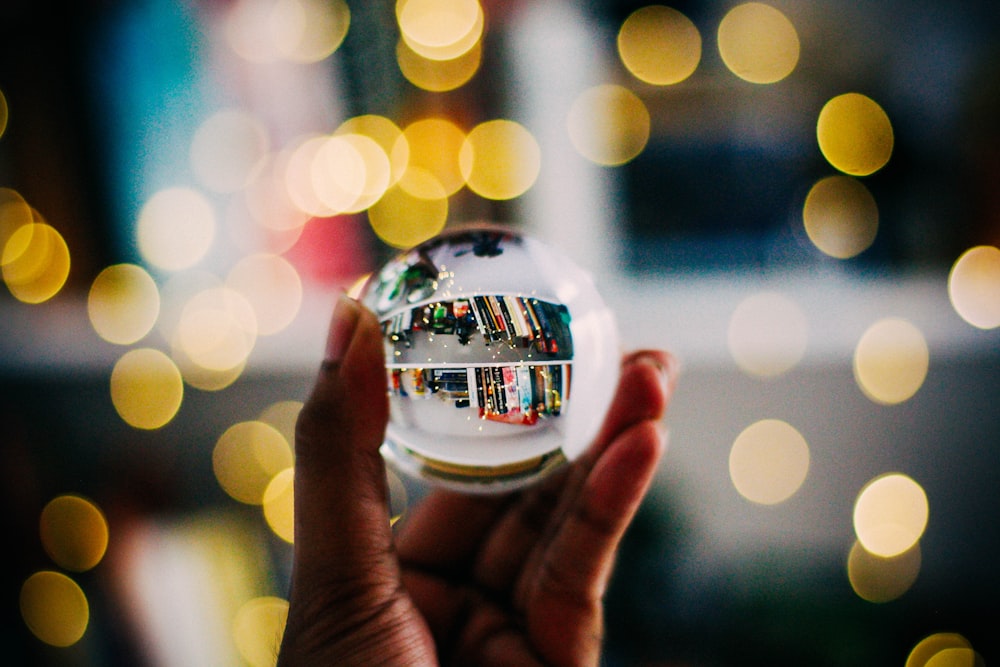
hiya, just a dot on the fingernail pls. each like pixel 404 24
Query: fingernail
pixel 345 320
pixel 662 369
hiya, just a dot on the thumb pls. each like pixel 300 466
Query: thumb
pixel 342 528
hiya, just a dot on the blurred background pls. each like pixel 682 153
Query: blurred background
pixel 800 199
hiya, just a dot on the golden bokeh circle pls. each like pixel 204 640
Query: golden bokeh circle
pixel 659 45
pixel 974 286
pixel 854 134
pixel 74 532
pixel 146 388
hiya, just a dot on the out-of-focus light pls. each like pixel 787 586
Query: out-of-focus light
pixel 659 45
pixel 271 286
pixel 176 228
pixel 246 457
pixel 879 579
pixel 769 461
pixel 199 377
pixel 314 29
pixel 218 328
pixel 227 149
pixel 412 211
pixel 300 31
pixel 758 43
pixel 608 124
pixel 54 608
pixel 840 216
pixel 974 286
pixel 956 657
pixel 282 416
pixel 440 29
pixel 767 334
pixel 386 134
pixel 123 303
pixel 35 262
pixel 350 172
pixel 891 361
pixel 500 159
pixel 74 532
pixel 890 514
pixel 258 628
pixel 438 76
pixel 14 214
pixel 278 503
pixel 399 500
pixel 854 134
pixel 4 113
pixel 146 388
pixel 434 145
pixel 930 646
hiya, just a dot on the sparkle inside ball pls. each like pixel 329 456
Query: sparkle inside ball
pixel 501 358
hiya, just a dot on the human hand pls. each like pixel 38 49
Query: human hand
pixel 515 579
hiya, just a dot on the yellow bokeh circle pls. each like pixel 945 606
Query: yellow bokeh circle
pixel 500 159
pixel 246 457
pixel 769 461
pixel 659 45
pixel 758 43
pixel 74 532
pixel 54 608
pixel 35 262
pixel 146 388
pixel 854 134
pixel 891 361
pixel 608 124
pixel 123 303
pixel 840 216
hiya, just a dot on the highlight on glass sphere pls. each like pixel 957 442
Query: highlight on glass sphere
pixel 501 358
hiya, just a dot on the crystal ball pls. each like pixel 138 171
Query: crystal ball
pixel 501 358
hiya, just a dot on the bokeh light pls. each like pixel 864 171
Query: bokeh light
pixel 299 182
pixel 350 172
pixel 769 461
pixel 659 45
pixel 4 113
pixel 258 628
pixel 54 608
pixel 298 31
pixel 930 646
pixel 840 216
pixel 146 388
pixel 880 579
pixel 217 329
pixel 767 334
pixel 278 503
pixel 500 159
pixel 608 124
pixel 283 416
pixel 438 75
pixel 974 286
pixel 35 262
pixel 123 303
pixel 227 149
pixel 434 146
pixel 272 287
pixel 74 532
pixel 246 457
pixel 956 657
pixel 891 361
pixel 890 514
pixel 14 214
pixel 404 219
pixel 854 134
pixel 758 43
pixel 440 29
pixel 176 228
pixel 387 135
pixel 314 30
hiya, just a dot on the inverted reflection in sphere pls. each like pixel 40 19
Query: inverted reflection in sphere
pixel 501 358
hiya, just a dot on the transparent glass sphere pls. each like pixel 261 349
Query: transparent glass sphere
pixel 501 358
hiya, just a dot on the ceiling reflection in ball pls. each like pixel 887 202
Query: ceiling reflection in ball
pixel 501 358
